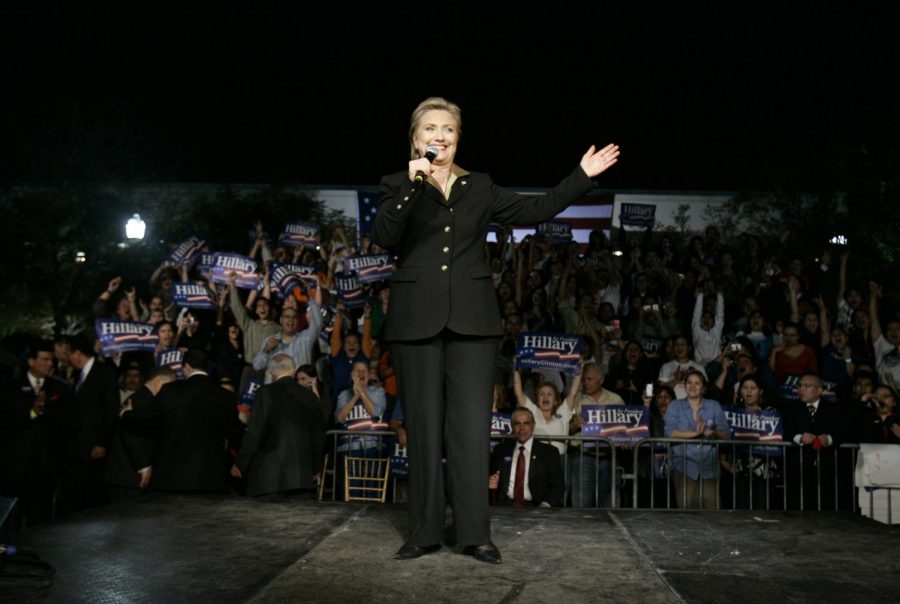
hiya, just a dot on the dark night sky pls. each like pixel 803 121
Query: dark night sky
pixel 320 92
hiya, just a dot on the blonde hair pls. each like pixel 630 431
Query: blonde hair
pixel 434 103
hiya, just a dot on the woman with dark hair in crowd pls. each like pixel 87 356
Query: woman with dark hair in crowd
pixel 695 468
pixel 307 377
pixel 230 359
pixel 793 358
pixel 631 375
pixel 653 465
pixel 751 471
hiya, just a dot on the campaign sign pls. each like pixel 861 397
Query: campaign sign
pixel 370 267
pixel 285 277
pixel 125 336
pixel 185 252
pixel 191 295
pixel 248 394
pixel 637 214
pixel 359 419
pixel 349 290
pixel 550 351
pixel 555 232
pixel 224 263
pixel 791 385
pixel 763 426
pixel 399 461
pixel 205 263
pixel 300 234
pixel 622 424
pixel 173 359
pixel 501 425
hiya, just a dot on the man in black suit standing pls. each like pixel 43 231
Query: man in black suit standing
pixel 282 449
pixel 196 418
pixel 93 421
pixel 526 472
pixel 32 420
pixel 133 447
pixel 816 424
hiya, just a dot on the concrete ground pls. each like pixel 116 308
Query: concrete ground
pixel 194 549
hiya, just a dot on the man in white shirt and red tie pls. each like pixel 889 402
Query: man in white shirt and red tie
pixel 525 472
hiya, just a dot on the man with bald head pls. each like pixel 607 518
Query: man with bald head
pixel 587 487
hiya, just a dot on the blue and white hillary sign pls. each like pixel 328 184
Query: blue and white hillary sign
pixel 185 252
pixel 125 336
pixel 225 263
pixel 300 234
pixel 551 351
pixel 762 426
pixel 359 419
pixel 205 263
pixel 791 384
pixel 173 359
pixel 248 394
pixel 349 290
pixel 191 295
pixel 622 424
pixel 555 232
pixel 637 214
pixel 399 461
pixel 501 425
pixel 285 277
pixel 370 267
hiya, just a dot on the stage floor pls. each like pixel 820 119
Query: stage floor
pixel 194 549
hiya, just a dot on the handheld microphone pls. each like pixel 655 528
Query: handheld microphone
pixel 430 154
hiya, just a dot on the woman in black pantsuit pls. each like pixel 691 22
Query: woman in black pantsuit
pixel 444 322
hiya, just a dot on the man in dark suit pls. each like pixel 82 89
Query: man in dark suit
pixel 32 421
pixel 196 418
pixel 817 426
pixel 133 446
pixel 93 421
pixel 282 449
pixel 542 483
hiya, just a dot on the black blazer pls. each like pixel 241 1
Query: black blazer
pixel 827 420
pixel 442 275
pixel 545 477
pixel 96 410
pixel 285 440
pixel 133 445
pixel 196 418
pixel 32 445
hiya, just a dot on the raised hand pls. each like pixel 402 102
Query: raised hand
pixel 596 162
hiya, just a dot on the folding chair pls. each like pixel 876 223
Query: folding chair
pixel 366 478
pixel 322 475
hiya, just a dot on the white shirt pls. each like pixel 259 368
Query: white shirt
pixel 36 383
pixel 85 371
pixel 557 426
pixel 667 372
pixel 515 463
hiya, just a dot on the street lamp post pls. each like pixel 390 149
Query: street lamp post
pixel 135 227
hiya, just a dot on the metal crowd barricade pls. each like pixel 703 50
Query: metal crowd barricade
pixel 784 481
pixel 355 439
pixel 758 465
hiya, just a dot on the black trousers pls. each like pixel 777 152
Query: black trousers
pixel 445 388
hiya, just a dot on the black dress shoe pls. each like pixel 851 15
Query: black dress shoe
pixel 484 553
pixel 409 551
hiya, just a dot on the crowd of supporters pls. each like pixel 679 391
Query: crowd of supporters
pixel 666 321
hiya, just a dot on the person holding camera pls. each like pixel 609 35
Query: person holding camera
pixel 672 373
